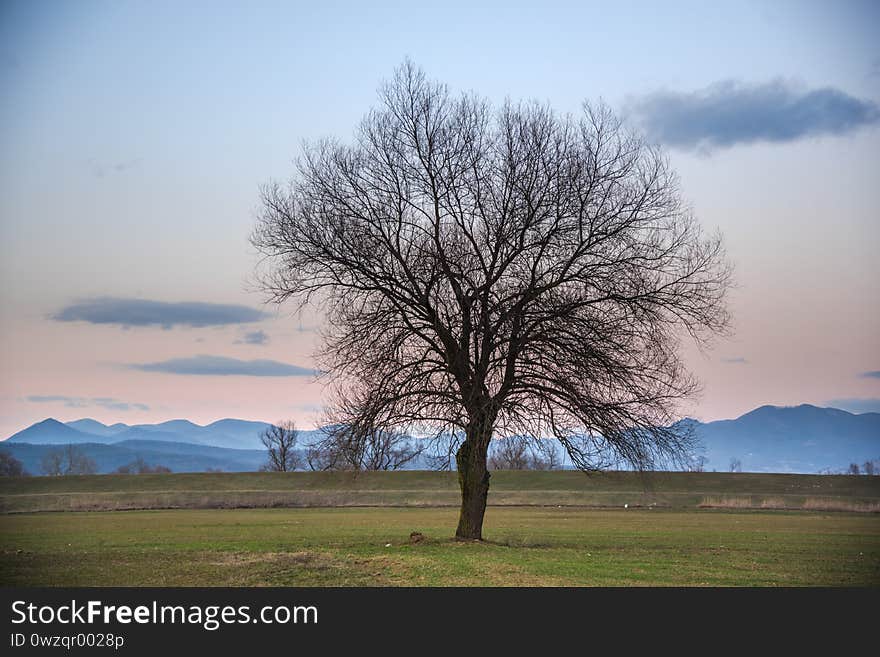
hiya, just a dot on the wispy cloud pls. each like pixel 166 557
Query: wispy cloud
pixel 869 405
pixel 254 337
pixel 101 169
pixel 309 408
pixel 731 112
pixel 875 374
pixel 738 360
pixel 86 402
pixel 144 312
pixel 203 365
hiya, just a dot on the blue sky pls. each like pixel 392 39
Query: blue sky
pixel 134 137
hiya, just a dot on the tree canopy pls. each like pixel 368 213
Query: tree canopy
pixel 498 272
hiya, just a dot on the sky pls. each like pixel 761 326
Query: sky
pixel 134 138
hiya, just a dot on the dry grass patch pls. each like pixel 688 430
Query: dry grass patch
pixel 817 504
pixel 774 503
pixel 234 559
pixel 726 503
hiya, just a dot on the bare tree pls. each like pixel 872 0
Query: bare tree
pixel 69 460
pixel 853 469
pixel 52 462
pixel 280 440
pixel 78 462
pixel 697 464
pixel 545 456
pixel 522 453
pixel 10 466
pixel 735 465
pixel 362 446
pixel 868 468
pixel 495 273
pixel 510 453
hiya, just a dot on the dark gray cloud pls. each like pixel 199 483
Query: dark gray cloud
pixel 738 360
pixel 143 312
pixel 254 337
pixel 221 366
pixel 85 402
pixel 868 405
pixel 871 375
pixel 730 113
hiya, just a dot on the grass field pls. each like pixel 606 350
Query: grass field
pixel 557 540
pixel 525 546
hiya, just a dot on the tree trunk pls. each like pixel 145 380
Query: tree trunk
pixel 473 478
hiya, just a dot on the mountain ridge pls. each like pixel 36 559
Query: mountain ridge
pixel 802 438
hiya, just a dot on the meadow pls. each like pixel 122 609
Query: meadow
pixel 542 528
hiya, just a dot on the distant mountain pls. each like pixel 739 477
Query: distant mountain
pixel 790 439
pixel 236 433
pixel 230 433
pixel 53 432
pixel 179 457
pixel 768 439
pixel 96 428
pixel 179 427
pixel 148 433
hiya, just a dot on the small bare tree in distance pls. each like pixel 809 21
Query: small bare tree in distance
pixel 488 273
pixel 52 462
pixel 69 460
pixel 280 441
pixel 510 453
pixel 697 464
pixel 522 453
pixel 358 443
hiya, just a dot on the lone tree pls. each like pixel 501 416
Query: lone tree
pixel 497 273
pixel 280 441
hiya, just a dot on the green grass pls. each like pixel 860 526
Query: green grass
pixel 302 489
pixel 542 528
pixel 524 546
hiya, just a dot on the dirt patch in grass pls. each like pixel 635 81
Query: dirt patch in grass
pixel 308 559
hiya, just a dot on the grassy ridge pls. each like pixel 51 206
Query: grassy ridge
pixel 371 546
pixel 329 489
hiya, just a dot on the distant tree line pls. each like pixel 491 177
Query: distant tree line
pixel 351 447
pixel 140 466
pixel 523 453
pixel 347 447
pixel 71 460
pixel 342 447
pixel 868 468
